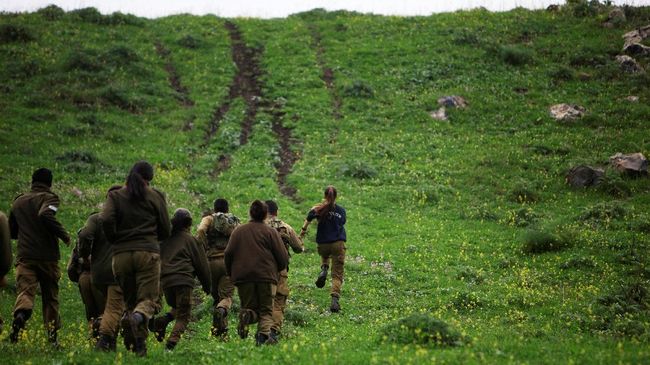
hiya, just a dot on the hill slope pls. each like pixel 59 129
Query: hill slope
pixel 440 212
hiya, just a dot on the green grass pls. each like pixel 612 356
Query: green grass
pixel 437 211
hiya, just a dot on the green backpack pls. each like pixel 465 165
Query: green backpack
pixel 222 226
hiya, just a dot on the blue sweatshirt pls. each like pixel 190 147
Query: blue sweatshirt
pixel 330 228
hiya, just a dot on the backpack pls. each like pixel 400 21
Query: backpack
pixel 282 230
pixel 222 226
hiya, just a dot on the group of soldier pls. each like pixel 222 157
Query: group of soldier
pixel 130 254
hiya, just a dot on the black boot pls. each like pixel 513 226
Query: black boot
pixel 244 321
pixel 130 323
pixel 335 307
pixel 261 339
pixel 140 346
pixel 105 343
pixel 20 319
pixel 320 282
pixel 275 335
pixel 159 326
pixel 169 346
pixel 219 322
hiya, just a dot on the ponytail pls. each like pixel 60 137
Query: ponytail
pixel 138 179
pixel 323 209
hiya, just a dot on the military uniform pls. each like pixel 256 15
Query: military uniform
pixel 290 239
pixel 135 229
pixel 183 258
pixel 222 289
pixel 95 249
pixel 5 249
pixel 32 221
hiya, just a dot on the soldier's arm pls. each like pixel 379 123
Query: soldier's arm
pixel 87 237
pixel 109 214
pixel 201 266
pixel 13 226
pixel 303 230
pixel 47 215
pixel 279 251
pixel 164 226
pixel 202 230
pixel 294 241
pixel 5 246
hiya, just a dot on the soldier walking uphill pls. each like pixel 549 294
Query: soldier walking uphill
pixel 182 257
pixel 105 293
pixel 93 300
pixel 32 221
pixel 290 239
pixel 331 239
pixel 254 256
pixel 214 232
pixel 5 252
pixel 135 220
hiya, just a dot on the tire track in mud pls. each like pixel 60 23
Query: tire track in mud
pixel 182 93
pixel 247 84
pixel 327 73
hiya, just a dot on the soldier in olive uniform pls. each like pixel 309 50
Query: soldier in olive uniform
pixel 93 299
pixel 290 239
pixel 135 221
pixel 33 222
pixel 182 258
pixel 214 232
pixel 5 251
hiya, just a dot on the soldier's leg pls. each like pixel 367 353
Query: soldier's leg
pixel 248 310
pixel 324 250
pixel 49 275
pixel 110 318
pixel 338 261
pixel 280 303
pixel 124 271
pixel 148 288
pixel 87 297
pixel 225 290
pixel 26 284
pixel 183 310
pixel 265 292
pixel 159 323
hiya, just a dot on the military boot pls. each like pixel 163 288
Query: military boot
pixel 170 345
pixel 244 321
pixel 320 281
pixel 261 339
pixel 335 307
pixel 20 319
pixel 105 343
pixel 128 331
pixel 140 346
pixel 159 326
pixel 219 322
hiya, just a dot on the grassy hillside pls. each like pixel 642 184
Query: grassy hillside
pixel 468 221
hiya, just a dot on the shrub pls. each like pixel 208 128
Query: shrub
pixel 537 241
pixel 604 212
pixel 296 317
pixel 359 170
pixel 10 33
pixel 118 18
pixel 88 15
pixel 358 89
pixel 583 8
pixel 515 55
pixel 422 329
pixel 51 12
pixel 190 42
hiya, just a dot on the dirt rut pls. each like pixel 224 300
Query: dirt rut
pixel 182 93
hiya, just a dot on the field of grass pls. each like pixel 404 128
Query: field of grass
pixel 464 228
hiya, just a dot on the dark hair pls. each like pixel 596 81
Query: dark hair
pixel 181 220
pixel 273 207
pixel 221 205
pixel 328 204
pixel 258 211
pixel 138 179
pixel 42 175
pixel 113 188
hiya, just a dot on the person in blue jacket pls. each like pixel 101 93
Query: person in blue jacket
pixel 331 238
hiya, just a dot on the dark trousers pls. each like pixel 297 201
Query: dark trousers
pixel 93 298
pixel 222 288
pixel 112 311
pixel 257 299
pixel 180 299
pixel 280 301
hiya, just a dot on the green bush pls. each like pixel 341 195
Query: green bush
pixel 537 241
pixel 88 15
pixel 422 329
pixel 515 55
pixel 51 12
pixel 10 33
pixel 583 8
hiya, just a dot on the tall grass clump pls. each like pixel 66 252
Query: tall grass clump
pixel 515 55
pixel 541 241
pixel 422 329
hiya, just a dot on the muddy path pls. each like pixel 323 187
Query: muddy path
pixel 327 73
pixel 182 93
pixel 247 83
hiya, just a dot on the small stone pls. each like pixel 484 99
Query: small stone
pixel 440 114
pixel 629 64
pixel 453 101
pixel 566 112
pixel 632 99
pixel 584 176
pixel 633 164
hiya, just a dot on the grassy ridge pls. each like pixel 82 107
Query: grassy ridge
pixel 440 213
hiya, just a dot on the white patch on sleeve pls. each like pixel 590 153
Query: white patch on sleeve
pixel 53 208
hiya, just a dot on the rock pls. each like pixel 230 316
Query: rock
pixel 629 64
pixel 633 41
pixel 452 101
pixel 584 176
pixel 567 112
pixel 634 164
pixel 632 99
pixel 616 16
pixel 440 114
